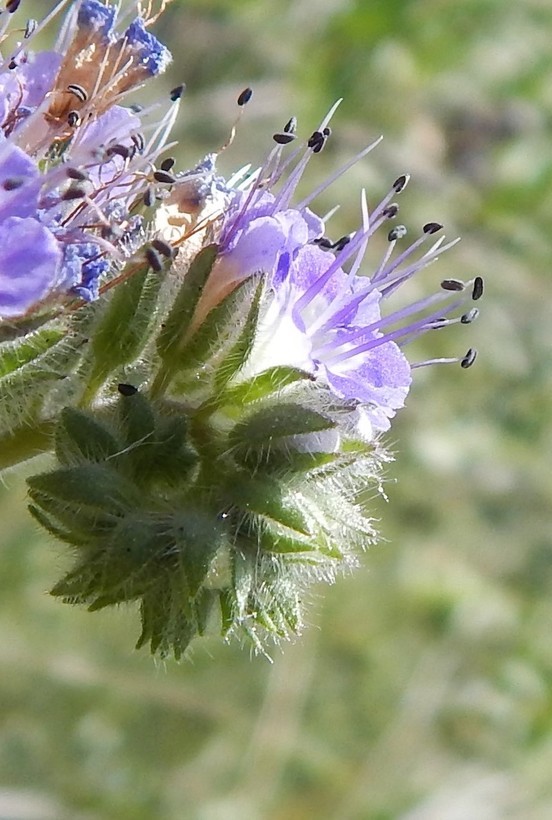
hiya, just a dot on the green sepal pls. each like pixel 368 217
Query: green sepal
pixel 26 349
pixel 269 382
pixel 81 437
pixel 92 487
pixel 239 350
pixel 276 426
pixel 225 328
pixel 261 501
pixel 124 326
pixel 176 324
pixel 37 369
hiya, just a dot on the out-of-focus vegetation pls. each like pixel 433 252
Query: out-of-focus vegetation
pixel 422 689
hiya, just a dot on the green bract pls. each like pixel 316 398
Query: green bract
pixel 211 501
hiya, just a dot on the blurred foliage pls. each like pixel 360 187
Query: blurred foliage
pixel 422 690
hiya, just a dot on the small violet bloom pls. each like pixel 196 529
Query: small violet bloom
pixel 72 160
pixel 324 315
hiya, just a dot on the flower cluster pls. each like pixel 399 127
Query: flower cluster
pixel 211 369
pixel 71 156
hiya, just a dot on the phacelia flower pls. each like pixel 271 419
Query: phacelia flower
pixel 73 161
pixel 325 313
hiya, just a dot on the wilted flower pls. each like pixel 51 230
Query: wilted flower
pixel 72 160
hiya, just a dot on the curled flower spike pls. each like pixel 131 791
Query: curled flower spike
pixel 215 414
pixel 73 162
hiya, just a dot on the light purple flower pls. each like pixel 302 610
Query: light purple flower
pixel 324 313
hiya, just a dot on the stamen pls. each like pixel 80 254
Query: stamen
pixel 432 227
pixel 177 92
pixel 30 28
pixel 398 232
pixel 470 316
pixel 478 288
pixel 154 260
pixel 469 358
pixel 291 126
pixel 74 173
pixel 164 177
pixel 283 139
pixel 245 96
pixel 163 247
pixel 139 141
pixel 453 284
pixel 400 183
pixel 79 92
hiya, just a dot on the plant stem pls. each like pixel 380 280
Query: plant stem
pixel 25 443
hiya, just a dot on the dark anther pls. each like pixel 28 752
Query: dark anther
pixel 12 64
pixel 398 232
pixel 340 243
pixel 73 119
pixel 149 197
pixel 163 247
pixel 177 92
pixel 30 28
pixel 283 139
pixel 167 164
pixel 163 176
pixel 74 173
pixel 245 96
pixel 432 227
pixel 154 260
pixel 470 316
pixel 477 291
pixel 316 141
pixel 12 183
pixel 78 91
pixel 400 183
pixel 327 131
pixel 291 126
pixel 12 5
pixel 139 141
pixel 452 284
pixel 74 192
pixel 120 150
pixel 136 108
pixel 391 211
pixel 469 358
pixel 127 389
pixel 324 243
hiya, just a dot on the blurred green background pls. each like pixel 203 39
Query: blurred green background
pixel 422 688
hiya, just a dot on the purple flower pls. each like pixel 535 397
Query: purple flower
pixel 324 315
pixel 73 162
